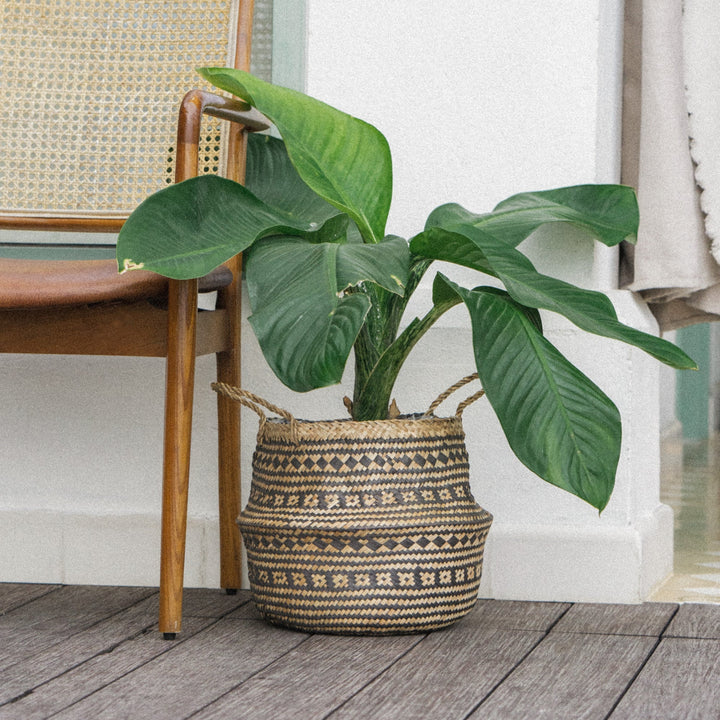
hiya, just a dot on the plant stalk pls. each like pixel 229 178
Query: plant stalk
pixel 372 395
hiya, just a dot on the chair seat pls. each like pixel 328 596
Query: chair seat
pixel 46 283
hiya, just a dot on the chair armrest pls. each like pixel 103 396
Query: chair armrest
pixel 235 111
pixel 194 105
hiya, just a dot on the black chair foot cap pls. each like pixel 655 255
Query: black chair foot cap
pixel 230 591
pixel 169 636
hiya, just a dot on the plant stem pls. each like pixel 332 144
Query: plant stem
pixel 378 334
pixel 372 395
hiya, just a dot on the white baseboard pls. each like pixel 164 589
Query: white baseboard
pixel 51 546
pixel 532 562
pixel 606 564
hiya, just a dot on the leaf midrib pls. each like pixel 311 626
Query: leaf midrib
pixel 540 354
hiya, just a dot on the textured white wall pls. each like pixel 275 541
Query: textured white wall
pixel 478 101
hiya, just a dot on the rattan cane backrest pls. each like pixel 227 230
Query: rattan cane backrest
pixel 89 92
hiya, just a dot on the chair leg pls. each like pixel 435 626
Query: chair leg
pixel 228 371
pixel 229 479
pixel 180 382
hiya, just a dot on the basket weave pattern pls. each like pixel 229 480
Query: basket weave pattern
pixel 363 527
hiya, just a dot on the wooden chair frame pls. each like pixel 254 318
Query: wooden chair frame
pixel 87 308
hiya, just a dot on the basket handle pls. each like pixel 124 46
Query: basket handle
pixel 256 404
pixel 445 395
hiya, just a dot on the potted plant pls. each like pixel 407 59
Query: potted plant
pixel 324 279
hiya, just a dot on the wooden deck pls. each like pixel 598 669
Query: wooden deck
pixel 93 652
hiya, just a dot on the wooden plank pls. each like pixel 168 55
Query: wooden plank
pixel 246 612
pixel 29 673
pixel 484 630
pixel 644 619
pixel 192 674
pixel 515 615
pixel 14 595
pixel 95 652
pixel 501 614
pixel 696 621
pixel 136 329
pixel 571 676
pixel 444 677
pixel 87 663
pixel 680 682
pixel 198 602
pixel 313 679
pixel 103 639
pixel 51 618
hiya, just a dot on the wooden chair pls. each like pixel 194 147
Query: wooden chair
pixel 89 94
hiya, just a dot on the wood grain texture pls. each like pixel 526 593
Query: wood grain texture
pixel 444 677
pixel 133 329
pixel 199 602
pixel 13 595
pixel 96 673
pixel 696 621
pixel 57 616
pixel 228 371
pixel 92 652
pixel 87 308
pixel 179 398
pixel 680 682
pixel 46 283
pixel 55 678
pixel 313 679
pixel 515 615
pixel 26 675
pixel 645 619
pixel 102 225
pixel 569 676
pixel 190 675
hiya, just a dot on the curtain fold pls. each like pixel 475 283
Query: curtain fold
pixel 672 68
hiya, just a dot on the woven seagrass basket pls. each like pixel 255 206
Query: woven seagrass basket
pixel 362 527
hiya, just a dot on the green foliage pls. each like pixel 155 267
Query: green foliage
pixel 323 278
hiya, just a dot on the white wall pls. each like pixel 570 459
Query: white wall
pixel 479 101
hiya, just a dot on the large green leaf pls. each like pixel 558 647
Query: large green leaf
pixel 440 243
pixel 343 159
pixel 556 420
pixel 590 310
pixel 187 230
pixel 305 321
pixel 609 212
pixel 272 178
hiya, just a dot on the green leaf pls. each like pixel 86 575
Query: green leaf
pixel 590 310
pixel 443 293
pixel 304 320
pixel 609 212
pixel 272 178
pixel 385 264
pixel 186 230
pixel 343 159
pixel 556 420
pixel 439 243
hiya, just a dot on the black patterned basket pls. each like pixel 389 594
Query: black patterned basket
pixel 362 527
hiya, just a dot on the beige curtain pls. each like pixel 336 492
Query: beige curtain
pixel 671 155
